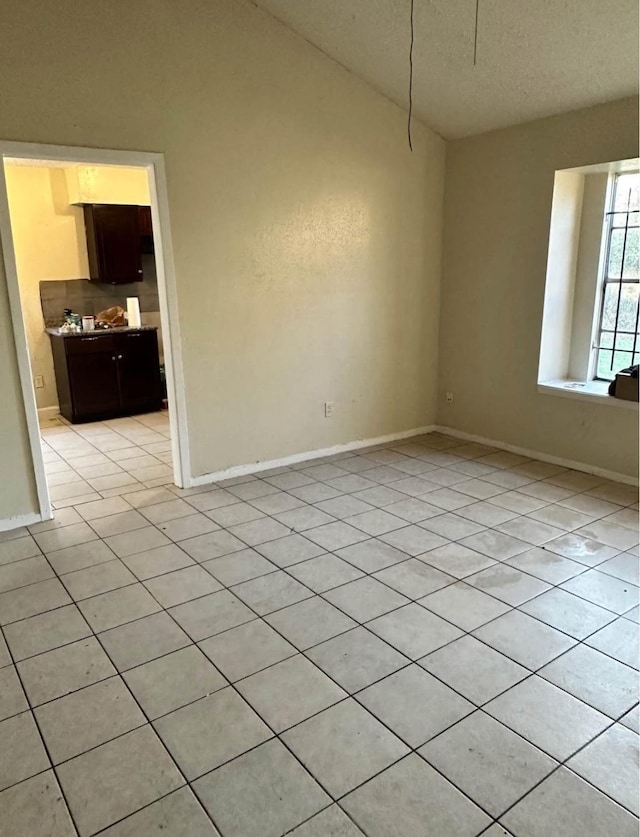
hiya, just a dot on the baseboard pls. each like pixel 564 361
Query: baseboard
pixel 543 457
pixel 18 521
pixel 256 467
pixel 48 412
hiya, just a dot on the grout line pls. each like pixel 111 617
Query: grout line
pixel 284 569
pixel 410 662
pixel 421 557
pixel 229 684
pixel 34 718
pixel 118 673
pixel 186 787
pixel 277 735
pixel 381 581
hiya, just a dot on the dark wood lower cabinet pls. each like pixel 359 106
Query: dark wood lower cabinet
pixel 136 359
pixel 93 385
pixel 108 374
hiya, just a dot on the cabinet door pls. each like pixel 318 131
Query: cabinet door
pixel 113 243
pixel 146 230
pixel 144 214
pixel 139 372
pixel 93 379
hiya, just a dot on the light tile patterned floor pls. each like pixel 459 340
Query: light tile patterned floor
pixel 429 638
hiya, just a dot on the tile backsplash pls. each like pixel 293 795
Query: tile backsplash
pixel 86 298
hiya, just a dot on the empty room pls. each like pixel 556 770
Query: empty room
pixel 319 346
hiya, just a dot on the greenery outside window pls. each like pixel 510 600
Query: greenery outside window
pixel 617 339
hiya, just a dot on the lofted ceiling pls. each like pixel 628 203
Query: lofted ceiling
pixel 535 58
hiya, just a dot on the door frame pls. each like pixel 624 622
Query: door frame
pixel 153 163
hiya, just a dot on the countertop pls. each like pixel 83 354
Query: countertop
pixel 98 332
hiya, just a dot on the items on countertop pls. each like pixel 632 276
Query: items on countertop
pixel 110 317
pixel 71 322
pixel 88 297
pixel 114 317
pixel 133 311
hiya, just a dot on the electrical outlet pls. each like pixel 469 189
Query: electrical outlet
pixel 449 398
pixel 38 381
pixel 329 408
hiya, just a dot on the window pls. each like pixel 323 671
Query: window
pixel 590 316
pixel 617 339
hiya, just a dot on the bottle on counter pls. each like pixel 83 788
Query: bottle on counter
pixel 71 322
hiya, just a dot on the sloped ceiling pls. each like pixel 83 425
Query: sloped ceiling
pixel 535 58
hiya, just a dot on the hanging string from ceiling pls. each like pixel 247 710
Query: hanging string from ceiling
pixel 412 27
pixel 475 36
pixel 410 78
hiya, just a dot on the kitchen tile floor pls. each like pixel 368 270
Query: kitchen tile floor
pixel 427 638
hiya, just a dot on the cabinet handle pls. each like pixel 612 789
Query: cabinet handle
pixel 113 358
pixel 119 357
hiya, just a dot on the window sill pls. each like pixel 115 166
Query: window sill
pixel 593 391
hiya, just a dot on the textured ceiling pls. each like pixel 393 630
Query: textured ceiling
pixel 535 57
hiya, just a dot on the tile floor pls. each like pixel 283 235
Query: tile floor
pixel 430 638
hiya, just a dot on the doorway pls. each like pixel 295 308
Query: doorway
pixel 153 443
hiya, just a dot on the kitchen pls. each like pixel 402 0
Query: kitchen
pixel 83 243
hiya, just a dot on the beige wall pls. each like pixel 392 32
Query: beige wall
pixel 497 209
pixel 49 243
pixel 307 236
pixel 49 238
pixel 17 487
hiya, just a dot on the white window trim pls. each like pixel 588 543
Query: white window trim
pixel 592 391
pixel 560 288
pixel 596 291
pixel 602 271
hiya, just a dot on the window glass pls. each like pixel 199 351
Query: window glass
pixel 618 339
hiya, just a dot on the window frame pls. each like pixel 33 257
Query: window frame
pixel 604 280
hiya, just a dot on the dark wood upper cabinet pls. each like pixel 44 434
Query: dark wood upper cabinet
pixel 146 230
pixel 144 213
pixel 113 243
